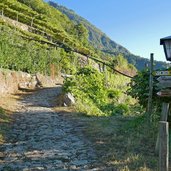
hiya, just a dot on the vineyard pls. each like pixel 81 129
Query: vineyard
pixel 40 23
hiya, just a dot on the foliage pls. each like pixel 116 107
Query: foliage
pixel 35 55
pixel 102 42
pixel 139 89
pixel 47 19
pixel 88 87
pixel 89 82
pixel 82 33
pixel 18 54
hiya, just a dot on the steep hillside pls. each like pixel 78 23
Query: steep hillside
pixel 100 40
pixel 46 26
pixel 37 38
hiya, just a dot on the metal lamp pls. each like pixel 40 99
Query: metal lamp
pixel 166 42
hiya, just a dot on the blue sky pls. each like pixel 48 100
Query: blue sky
pixel 138 25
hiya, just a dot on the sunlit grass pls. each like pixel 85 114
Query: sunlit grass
pixel 124 142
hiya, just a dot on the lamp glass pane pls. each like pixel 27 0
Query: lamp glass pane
pixel 167 44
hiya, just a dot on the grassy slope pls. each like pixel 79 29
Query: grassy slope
pixel 121 142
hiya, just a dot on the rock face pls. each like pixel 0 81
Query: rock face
pixel 65 99
pixel 44 81
pixel 69 99
pixel 12 81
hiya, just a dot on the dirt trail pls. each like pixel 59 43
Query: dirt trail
pixel 41 139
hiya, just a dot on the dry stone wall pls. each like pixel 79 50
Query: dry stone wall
pixel 12 81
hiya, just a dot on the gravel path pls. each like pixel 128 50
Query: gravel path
pixel 41 139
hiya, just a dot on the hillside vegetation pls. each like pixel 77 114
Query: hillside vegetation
pixel 100 40
pixel 38 38
pixel 49 42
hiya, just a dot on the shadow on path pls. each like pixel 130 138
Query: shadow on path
pixel 40 139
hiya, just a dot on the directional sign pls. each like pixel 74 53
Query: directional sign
pixel 162 73
pixel 164 78
pixel 164 93
pixel 165 84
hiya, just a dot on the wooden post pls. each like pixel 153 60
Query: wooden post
pixel 105 75
pixel 149 107
pixel 163 117
pixel 104 67
pixel 165 111
pixel 32 22
pixel 100 68
pixel 87 60
pixel 17 17
pixel 2 13
pixel 164 146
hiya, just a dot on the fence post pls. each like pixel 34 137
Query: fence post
pixel 88 60
pixel 32 22
pixel 2 12
pixel 100 69
pixel 17 17
pixel 163 117
pixel 149 107
pixel 164 146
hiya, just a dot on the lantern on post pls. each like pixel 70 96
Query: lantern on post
pixel 166 42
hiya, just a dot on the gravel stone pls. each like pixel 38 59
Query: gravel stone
pixel 41 139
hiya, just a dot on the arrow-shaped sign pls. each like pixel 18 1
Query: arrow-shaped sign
pixel 164 85
pixel 164 78
pixel 162 73
pixel 164 82
pixel 164 93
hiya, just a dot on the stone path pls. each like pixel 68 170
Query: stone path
pixel 41 139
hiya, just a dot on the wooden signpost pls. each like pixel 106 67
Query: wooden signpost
pixel 164 83
pixel 164 78
pixel 164 93
pixel 162 73
pixel 162 145
pixel 149 106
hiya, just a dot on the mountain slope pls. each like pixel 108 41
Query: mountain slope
pixel 101 41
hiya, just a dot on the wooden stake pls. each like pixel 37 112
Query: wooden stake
pixel 17 17
pixel 2 12
pixel 149 107
pixel 163 117
pixel 32 22
pixel 87 60
pixel 164 146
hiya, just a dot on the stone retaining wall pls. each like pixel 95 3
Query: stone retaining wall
pixel 12 81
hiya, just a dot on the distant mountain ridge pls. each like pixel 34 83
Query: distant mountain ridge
pixel 101 41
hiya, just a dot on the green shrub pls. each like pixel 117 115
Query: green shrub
pixel 87 85
pixel 111 94
pixel 88 108
pixel 87 81
pixel 122 109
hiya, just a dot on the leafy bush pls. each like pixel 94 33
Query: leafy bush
pixel 139 89
pixel 122 109
pixel 19 54
pixel 87 107
pixel 113 94
pixel 88 87
pixel 87 81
